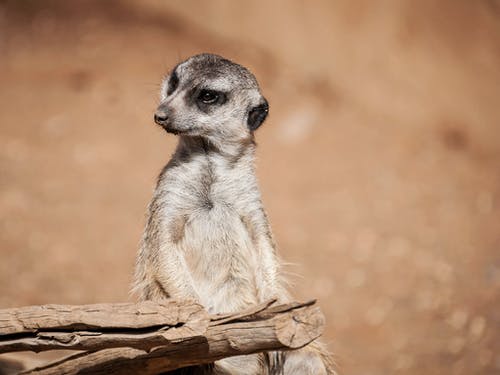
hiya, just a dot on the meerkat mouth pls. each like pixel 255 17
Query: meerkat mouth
pixel 171 130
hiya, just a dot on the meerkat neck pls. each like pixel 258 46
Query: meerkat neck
pixel 235 151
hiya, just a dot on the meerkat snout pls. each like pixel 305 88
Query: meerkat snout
pixel 212 97
pixel 161 117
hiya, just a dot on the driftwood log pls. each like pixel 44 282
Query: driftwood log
pixel 153 337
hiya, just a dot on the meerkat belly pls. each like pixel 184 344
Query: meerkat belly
pixel 221 257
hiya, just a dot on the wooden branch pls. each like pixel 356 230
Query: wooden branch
pixel 93 327
pixel 187 336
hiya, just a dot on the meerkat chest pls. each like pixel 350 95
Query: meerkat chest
pixel 217 209
pixel 208 202
pixel 213 201
pixel 211 188
pixel 222 257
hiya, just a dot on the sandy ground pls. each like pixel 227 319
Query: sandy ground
pixel 379 164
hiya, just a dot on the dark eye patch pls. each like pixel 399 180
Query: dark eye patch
pixel 210 97
pixel 173 83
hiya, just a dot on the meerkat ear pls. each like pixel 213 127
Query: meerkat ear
pixel 257 115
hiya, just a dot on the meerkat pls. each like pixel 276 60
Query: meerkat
pixel 207 236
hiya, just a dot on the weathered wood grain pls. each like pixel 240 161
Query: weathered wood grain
pixel 93 327
pixel 137 339
pixel 288 329
pixel 88 317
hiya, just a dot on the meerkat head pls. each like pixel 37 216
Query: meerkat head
pixel 209 96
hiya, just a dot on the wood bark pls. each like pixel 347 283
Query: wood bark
pixel 92 327
pixel 151 338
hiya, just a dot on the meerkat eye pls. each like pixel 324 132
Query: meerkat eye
pixel 209 96
pixel 173 83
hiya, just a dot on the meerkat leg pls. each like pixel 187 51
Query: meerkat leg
pixel 173 274
pixel 312 359
pixel 269 282
pixel 240 365
pixel 303 362
pixel 163 273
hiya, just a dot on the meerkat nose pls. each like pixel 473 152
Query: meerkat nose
pixel 161 117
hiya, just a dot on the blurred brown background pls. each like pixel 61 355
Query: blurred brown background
pixel 379 164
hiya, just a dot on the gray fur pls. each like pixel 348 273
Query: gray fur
pixel 207 236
